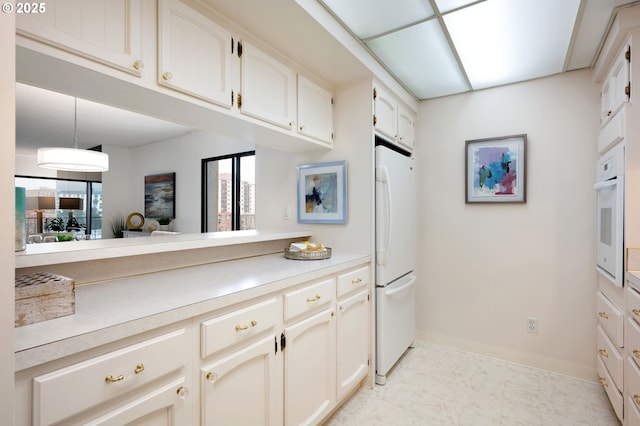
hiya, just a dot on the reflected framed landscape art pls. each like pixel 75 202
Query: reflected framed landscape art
pixel 322 193
pixel 495 170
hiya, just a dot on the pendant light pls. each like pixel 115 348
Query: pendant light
pixel 73 159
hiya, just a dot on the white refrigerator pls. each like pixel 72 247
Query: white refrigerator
pixel 395 255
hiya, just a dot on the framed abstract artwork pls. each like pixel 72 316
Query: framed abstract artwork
pixel 322 193
pixel 495 170
pixel 160 196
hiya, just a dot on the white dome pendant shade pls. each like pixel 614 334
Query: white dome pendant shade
pixel 73 159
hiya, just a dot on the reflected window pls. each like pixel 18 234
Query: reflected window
pixel 84 217
pixel 228 192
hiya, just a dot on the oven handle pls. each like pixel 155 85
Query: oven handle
pixel 605 184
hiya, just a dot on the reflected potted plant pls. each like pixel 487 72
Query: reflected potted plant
pixel 55 224
pixel 164 223
pixel 118 226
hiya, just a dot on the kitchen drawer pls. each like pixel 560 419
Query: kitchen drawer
pixel 611 319
pixel 72 389
pixel 633 386
pixel 309 298
pixel 632 338
pixel 611 357
pixel 633 303
pixel 353 280
pixel 615 396
pixel 238 326
pixel 631 413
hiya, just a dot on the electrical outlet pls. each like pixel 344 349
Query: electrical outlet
pixel 532 325
pixel 286 212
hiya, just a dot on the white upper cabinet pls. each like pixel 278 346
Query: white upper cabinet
pixel 195 54
pixel 392 120
pixel 616 86
pixel 268 88
pixel 105 31
pixel 315 111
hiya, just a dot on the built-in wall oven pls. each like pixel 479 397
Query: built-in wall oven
pixel 610 215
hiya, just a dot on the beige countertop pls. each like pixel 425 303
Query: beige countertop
pixel 116 309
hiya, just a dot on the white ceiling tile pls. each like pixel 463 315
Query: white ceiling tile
pixel 500 41
pixel 367 18
pixel 420 57
pixel 447 5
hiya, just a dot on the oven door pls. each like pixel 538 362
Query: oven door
pixel 609 229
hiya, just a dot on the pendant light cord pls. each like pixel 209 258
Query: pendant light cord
pixel 75 123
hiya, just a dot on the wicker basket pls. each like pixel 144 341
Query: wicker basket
pixel 43 296
pixel 307 255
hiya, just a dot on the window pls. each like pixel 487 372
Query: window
pixel 228 192
pixel 89 217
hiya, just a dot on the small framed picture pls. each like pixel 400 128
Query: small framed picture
pixel 495 170
pixel 322 193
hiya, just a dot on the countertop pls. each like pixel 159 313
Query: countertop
pixel 116 309
pixel 79 251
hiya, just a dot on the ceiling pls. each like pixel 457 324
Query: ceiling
pixel 442 47
pixel 431 47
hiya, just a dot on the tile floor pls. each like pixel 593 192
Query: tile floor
pixel 435 385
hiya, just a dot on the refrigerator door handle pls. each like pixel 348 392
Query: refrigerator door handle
pixel 408 285
pixel 382 176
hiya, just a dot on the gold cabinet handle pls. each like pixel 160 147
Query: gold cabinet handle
pixel 244 327
pixel 111 379
pixel 182 392
pixel 356 281
pixel 603 381
pixel 301 128
pixel 603 315
pixel 139 368
pixel 636 353
pixel 609 113
pixel 138 64
pixel 313 299
pixel 603 353
pixel 636 312
pixel 636 398
pixel 211 377
pixel 167 76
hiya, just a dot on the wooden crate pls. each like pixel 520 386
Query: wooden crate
pixel 43 296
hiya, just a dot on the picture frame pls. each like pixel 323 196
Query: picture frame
pixel 160 196
pixel 495 170
pixel 322 193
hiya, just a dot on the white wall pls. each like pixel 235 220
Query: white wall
pixel 484 268
pixel 7 192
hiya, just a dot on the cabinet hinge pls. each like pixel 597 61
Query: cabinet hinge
pixel 283 342
pixel 239 99
pixel 627 90
pixel 275 341
pixel 375 120
pixel 232 95
pixel 331 135
pixel 627 54
pixel 331 101
pixel 368 297
pixel 375 93
pixel 232 44
pixel 239 50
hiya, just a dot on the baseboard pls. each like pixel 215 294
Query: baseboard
pixel 510 355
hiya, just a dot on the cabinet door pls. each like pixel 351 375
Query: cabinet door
pixel 386 114
pixel 167 405
pixel 244 388
pixel 353 336
pixel 619 81
pixel 315 111
pixel 268 88
pixel 310 367
pixel 195 54
pixel 406 128
pixel 105 31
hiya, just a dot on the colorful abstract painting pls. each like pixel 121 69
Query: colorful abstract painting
pixel 495 169
pixel 322 193
pixel 159 195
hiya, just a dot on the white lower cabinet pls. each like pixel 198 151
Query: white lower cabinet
pixel 243 388
pixel 289 357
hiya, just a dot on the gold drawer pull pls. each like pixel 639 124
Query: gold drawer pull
pixel 167 76
pixel 356 281
pixel 138 64
pixel 313 299
pixel 182 392
pixel 139 368
pixel 603 315
pixel 636 312
pixel 603 353
pixel 111 379
pixel 244 327
pixel 636 353
pixel 603 381
pixel 211 377
pixel 636 398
